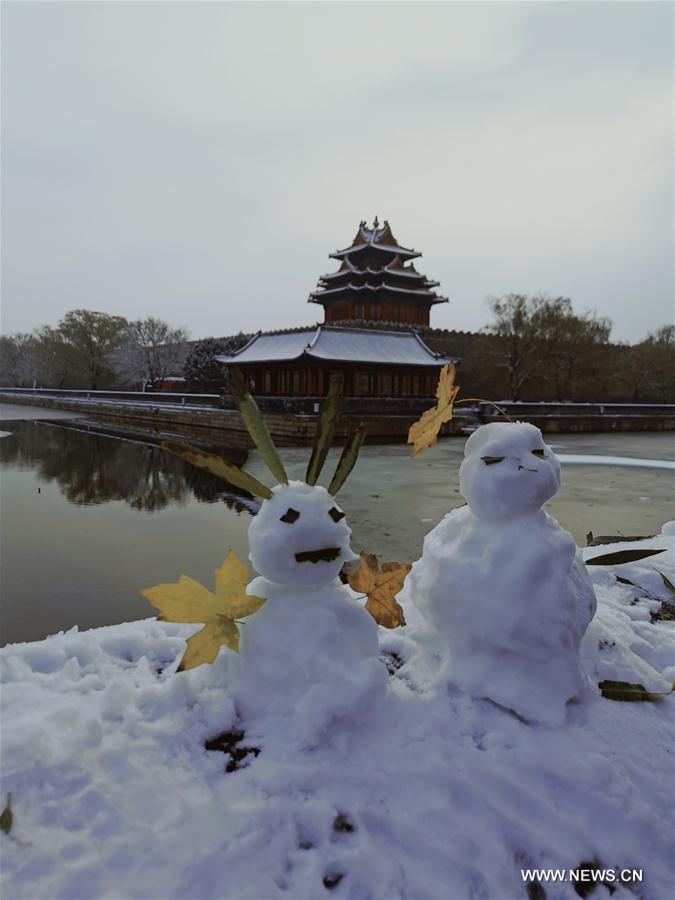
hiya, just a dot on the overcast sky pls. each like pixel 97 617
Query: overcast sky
pixel 198 161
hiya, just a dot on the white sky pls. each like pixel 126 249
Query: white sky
pixel 198 161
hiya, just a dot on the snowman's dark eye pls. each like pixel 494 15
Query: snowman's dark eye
pixel 291 515
pixel 491 460
pixel 539 453
pixel 336 514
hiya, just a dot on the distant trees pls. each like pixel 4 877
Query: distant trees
pixel 152 350
pixel 571 346
pixel 535 348
pixel 90 349
pixel 89 340
pixel 18 363
pixel 518 322
pixel 649 372
pixel 543 339
pixel 36 358
pixel 201 372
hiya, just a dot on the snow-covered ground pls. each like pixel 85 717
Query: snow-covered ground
pixel 435 795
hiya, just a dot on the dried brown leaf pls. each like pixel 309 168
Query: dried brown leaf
pixel 380 585
pixel 424 432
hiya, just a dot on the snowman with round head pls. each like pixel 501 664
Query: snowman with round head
pixel 310 654
pixel 503 584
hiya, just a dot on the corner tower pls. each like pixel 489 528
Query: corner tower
pixel 376 282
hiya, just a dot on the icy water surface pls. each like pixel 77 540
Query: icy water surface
pixel 90 520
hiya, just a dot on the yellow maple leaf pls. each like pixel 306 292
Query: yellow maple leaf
pixel 424 432
pixel 186 600
pixel 380 585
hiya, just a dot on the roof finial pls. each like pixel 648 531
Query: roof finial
pixel 376 223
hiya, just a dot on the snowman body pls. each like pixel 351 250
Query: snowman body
pixel 311 651
pixel 503 584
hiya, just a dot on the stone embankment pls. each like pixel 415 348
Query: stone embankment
pixel 561 418
pixel 288 428
pixel 292 422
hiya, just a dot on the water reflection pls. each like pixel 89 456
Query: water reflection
pixel 93 468
pixel 89 520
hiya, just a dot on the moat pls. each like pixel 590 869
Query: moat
pixel 89 520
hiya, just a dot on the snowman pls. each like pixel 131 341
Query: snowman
pixel 502 584
pixel 311 652
pixel 310 655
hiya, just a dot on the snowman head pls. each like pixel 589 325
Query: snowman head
pixel 507 470
pixel 300 536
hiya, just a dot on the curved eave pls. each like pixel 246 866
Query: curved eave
pixel 386 248
pixel 307 354
pixel 421 283
pixel 315 296
pixel 353 270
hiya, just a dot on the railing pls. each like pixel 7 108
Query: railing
pixel 516 408
pixel 383 406
pixel 155 397
pixel 364 406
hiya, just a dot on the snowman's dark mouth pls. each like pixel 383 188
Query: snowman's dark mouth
pixel 328 554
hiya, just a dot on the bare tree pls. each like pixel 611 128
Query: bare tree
pixel 569 345
pixel 518 323
pixel 650 367
pixel 9 360
pixel 542 337
pixel 24 360
pixel 153 350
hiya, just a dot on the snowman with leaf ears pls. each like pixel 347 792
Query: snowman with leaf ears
pixel 311 651
pixel 501 582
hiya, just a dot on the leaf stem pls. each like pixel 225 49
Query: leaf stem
pixel 489 403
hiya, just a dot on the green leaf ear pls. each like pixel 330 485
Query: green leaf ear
pixel 348 459
pixel 255 425
pixel 329 415
pixel 219 467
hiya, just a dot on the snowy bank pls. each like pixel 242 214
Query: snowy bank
pixel 436 795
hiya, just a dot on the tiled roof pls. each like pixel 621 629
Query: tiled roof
pixel 402 348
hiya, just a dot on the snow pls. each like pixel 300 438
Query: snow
pixel 330 342
pixel 358 782
pixel 586 459
pixel 500 582
pixel 326 646
pixel 270 347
